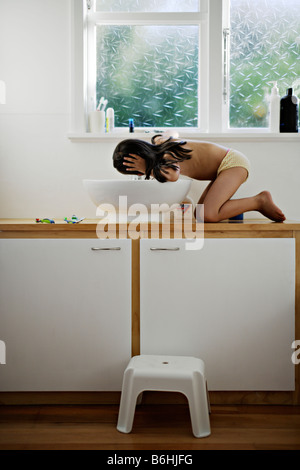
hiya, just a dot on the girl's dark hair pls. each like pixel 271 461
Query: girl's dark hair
pixel 154 156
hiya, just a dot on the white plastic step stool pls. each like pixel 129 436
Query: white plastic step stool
pixel 166 373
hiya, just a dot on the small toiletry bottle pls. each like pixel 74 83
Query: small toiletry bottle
pixel 274 109
pixel 131 125
pixel 110 120
pixel 289 112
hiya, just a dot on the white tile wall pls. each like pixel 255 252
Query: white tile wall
pixel 41 171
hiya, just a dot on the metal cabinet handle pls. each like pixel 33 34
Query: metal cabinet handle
pixel 165 249
pixel 106 249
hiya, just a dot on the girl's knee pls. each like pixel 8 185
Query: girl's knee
pixel 210 215
pixel 211 218
pixel 205 214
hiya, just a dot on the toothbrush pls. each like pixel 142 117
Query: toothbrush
pixel 79 220
pixel 104 105
pixel 100 103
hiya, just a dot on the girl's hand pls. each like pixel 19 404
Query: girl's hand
pixel 135 163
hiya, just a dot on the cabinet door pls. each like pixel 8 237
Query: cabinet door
pixel 232 303
pixel 65 314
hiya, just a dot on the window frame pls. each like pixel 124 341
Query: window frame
pixel 213 20
pixel 200 19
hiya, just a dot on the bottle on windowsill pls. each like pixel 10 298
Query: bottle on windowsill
pixel 289 112
pixel 131 125
pixel 274 119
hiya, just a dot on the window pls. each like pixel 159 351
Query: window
pixel 149 73
pixel 200 64
pixel 147 58
pixel 264 47
pixel 148 5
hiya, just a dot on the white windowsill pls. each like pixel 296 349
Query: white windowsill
pixel 231 136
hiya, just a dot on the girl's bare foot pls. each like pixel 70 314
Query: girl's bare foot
pixel 268 208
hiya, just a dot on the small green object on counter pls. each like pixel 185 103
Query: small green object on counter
pixel 73 220
pixel 45 221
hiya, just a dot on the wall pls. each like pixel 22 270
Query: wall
pixel 41 171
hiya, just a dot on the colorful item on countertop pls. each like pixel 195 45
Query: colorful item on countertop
pixel 45 221
pixel 184 207
pixel 73 220
pixel 237 217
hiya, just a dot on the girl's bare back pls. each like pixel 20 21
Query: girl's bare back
pixel 205 160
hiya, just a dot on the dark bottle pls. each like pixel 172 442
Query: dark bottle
pixel 131 125
pixel 289 112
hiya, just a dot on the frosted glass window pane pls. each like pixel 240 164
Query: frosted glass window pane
pixel 149 73
pixel 265 46
pixel 148 5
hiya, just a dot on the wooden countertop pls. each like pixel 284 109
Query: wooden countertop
pixel 9 227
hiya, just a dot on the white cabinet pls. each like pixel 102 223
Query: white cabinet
pixel 232 303
pixel 65 313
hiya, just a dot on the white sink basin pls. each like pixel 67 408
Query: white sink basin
pixel 142 192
